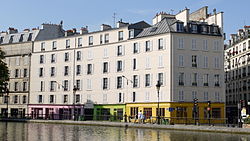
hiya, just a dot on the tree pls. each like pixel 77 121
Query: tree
pixel 4 73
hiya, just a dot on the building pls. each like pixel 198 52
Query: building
pixel 237 73
pixel 114 70
pixel 18 47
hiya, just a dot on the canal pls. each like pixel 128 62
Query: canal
pixel 14 131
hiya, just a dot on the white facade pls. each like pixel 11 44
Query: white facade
pixel 178 47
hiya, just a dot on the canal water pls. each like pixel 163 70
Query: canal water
pixel 14 131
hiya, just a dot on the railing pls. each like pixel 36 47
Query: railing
pixel 124 118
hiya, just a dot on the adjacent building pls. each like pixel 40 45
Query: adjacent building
pixel 237 69
pixel 113 72
pixel 18 47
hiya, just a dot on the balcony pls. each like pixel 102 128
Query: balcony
pixel 205 84
pixel 216 84
pixel 243 74
pixel 244 88
pixel 181 83
pixel 194 83
pixel 194 65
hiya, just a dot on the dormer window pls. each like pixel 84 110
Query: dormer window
pixel 203 29
pixel 30 37
pixel 106 38
pixel 215 29
pixel 179 27
pixel 120 35
pixel 68 43
pixel 194 28
pixel 21 38
pixel 11 39
pixel 131 34
pixel 1 40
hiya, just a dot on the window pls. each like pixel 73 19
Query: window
pixel 89 69
pixel 43 46
pixel 160 44
pixel 105 98
pixel 194 28
pixel 16 73
pixel 105 83
pixel 41 59
pixel 52 86
pixel 180 43
pixel 21 38
pixel 15 99
pixel 193 43
pixel 181 112
pixel 120 97
pixel 40 98
pixel 161 112
pixel 1 40
pixel 194 94
pixel 66 70
pixel 5 99
pixel 135 48
pixel 160 78
pixel 216 62
pixel 101 39
pixel 106 38
pixel 205 45
pixel 205 79
pixel 77 98
pixel 24 86
pixel 51 99
pixel 68 43
pixel 42 86
pixel 52 71
pixel 30 37
pixel 147 46
pixel 181 78
pixel 194 61
pixel 40 72
pixel 181 60
pixel 25 72
pixel 160 61
pixel 180 27
pixel 216 113
pixel 119 82
pixel 79 42
pixel 131 34
pixel 147 62
pixel 78 84
pixel 134 97
pixel 105 52
pixel 89 84
pixel 66 85
pixel 24 99
pixel 135 81
pixel 147 80
pixel 66 56
pixel 120 35
pixel 105 67
pixel 78 69
pixel 90 40
pixel 119 66
pixel 134 64
pixel 194 79
pixel 78 55
pixel 54 45
pixel 65 98
pixel 217 80
pixel 217 44
pixel 133 111
pixel 205 96
pixel 53 58
pixel 119 50
pixel 181 95
pixel 205 62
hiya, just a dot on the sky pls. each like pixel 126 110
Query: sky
pixel 22 14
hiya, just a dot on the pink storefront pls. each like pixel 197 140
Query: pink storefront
pixel 47 111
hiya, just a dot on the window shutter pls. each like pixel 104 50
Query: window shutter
pixel 164 43
pixel 54 98
pixel 37 98
pixel 123 65
pixel 123 50
pixel 139 47
pixel 151 80
pixel 138 80
pixel 151 45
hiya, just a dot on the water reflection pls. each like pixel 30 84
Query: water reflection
pixel 56 132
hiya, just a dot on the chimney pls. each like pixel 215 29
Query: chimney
pixel 12 30
pixel 121 24
pixel 105 27
pixel 69 33
pixel 84 30
pixel 159 16
pixel 26 30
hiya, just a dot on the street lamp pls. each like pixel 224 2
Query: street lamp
pixel 74 100
pixel 158 86
pixel 238 92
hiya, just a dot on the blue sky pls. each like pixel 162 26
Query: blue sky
pixel 23 14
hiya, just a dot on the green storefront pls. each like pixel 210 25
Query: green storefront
pixel 110 112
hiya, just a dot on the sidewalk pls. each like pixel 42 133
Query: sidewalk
pixel 216 129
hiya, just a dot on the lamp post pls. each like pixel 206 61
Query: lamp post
pixel 238 92
pixel 128 80
pixel 158 86
pixel 74 100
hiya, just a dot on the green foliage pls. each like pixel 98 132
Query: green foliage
pixel 4 72
pixel 247 120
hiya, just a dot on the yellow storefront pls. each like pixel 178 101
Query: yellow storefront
pixel 178 113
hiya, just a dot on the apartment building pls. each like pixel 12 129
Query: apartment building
pixel 18 47
pixel 237 72
pixel 115 70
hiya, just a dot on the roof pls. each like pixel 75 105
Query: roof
pixel 20 37
pixel 164 26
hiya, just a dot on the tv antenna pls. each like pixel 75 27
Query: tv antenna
pixel 114 17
